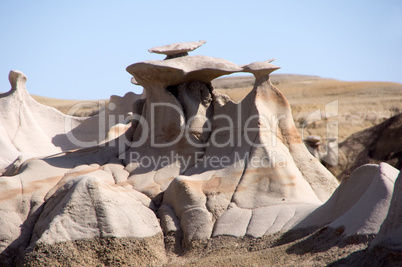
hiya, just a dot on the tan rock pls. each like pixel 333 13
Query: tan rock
pixel 360 204
pixel 176 49
pixel 206 165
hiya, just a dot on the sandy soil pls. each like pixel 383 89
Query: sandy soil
pixel 100 252
pixel 321 248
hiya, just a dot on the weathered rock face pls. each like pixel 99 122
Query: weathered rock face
pixel 360 204
pixel 193 164
pixel 387 246
pixel 29 129
pixel 385 249
pixel 380 143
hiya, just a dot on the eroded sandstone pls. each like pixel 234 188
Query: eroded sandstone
pixel 193 165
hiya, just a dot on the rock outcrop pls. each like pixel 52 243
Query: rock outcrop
pixel 380 143
pixel 193 165
pixel 266 165
pixel 29 129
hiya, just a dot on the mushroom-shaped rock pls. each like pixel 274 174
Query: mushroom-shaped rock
pixel 176 49
pixel 260 67
pixel 267 173
pixel 174 89
pixel 180 70
pixel 178 94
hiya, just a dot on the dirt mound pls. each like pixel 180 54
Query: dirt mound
pixel 100 252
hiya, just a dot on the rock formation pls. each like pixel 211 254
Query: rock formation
pixel 265 162
pixel 387 244
pixel 29 129
pixel 329 153
pixel 380 143
pixel 192 166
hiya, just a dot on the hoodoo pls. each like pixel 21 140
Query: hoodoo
pixel 193 164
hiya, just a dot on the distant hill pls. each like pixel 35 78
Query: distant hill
pixel 244 81
pixel 64 105
pixel 360 105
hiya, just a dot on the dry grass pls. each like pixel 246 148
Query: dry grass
pixel 80 108
pixel 360 104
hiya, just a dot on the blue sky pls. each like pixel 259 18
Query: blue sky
pixel 80 49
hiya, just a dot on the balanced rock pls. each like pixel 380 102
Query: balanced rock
pixel 176 49
pixel 223 159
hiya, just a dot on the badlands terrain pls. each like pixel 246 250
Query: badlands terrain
pixel 321 107
pixel 196 174
pixel 361 104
